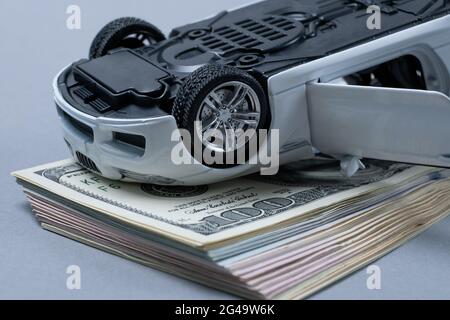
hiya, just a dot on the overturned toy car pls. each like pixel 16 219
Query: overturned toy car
pixel 312 72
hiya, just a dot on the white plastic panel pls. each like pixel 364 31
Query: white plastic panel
pixel 402 125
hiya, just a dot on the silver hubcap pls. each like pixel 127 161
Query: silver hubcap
pixel 231 109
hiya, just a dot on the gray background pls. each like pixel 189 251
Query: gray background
pixel 35 45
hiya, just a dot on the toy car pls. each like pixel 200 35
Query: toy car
pixel 313 70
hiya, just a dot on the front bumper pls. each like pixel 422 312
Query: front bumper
pixel 94 142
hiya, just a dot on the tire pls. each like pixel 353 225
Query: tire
pixel 228 84
pixel 119 33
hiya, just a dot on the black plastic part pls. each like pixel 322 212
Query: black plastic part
pixel 85 95
pixel 117 80
pixel 121 72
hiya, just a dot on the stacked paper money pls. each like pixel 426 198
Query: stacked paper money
pixel 280 237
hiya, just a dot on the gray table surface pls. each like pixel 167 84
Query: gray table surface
pixel 35 45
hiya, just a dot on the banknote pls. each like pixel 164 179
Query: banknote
pixel 201 215
pixel 261 237
pixel 286 270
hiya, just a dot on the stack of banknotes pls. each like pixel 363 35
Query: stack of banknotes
pixel 278 237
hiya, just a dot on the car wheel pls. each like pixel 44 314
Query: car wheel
pixel 226 100
pixel 124 33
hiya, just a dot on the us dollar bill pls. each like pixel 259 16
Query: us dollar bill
pixel 200 215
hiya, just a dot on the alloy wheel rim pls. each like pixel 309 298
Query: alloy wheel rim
pixel 233 110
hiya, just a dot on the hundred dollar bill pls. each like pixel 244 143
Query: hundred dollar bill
pixel 200 216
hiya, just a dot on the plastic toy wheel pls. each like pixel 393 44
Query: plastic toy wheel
pixel 124 32
pixel 222 107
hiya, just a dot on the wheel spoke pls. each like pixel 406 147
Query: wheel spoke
pixel 240 93
pixel 213 102
pixel 227 125
pixel 216 99
pixel 209 131
pixel 211 105
pixel 232 124
pixel 214 125
pixel 245 115
pixel 229 139
pixel 248 118
pixel 252 123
